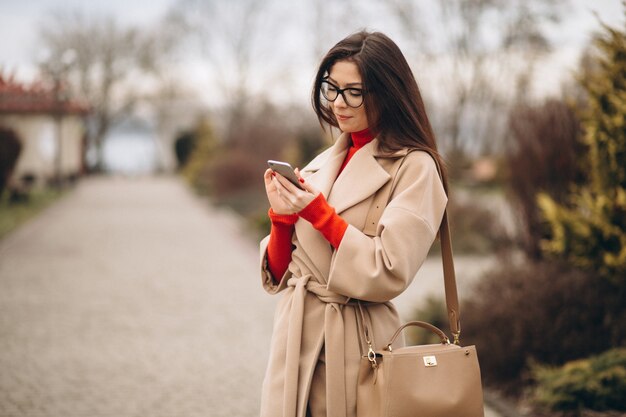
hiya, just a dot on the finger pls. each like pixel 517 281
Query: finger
pixel 288 198
pixel 300 177
pixel 308 187
pixel 288 185
pixel 282 191
pixel 290 194
pixel 267 176
pixel 278 185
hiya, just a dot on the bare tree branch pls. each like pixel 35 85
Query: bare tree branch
pixel 110 64
pixel 485 50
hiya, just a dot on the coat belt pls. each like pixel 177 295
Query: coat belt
pixel 334 344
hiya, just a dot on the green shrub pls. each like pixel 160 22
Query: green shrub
pixel 10 149
pixel 546 312
pixel 589 229
pixel 198 166
pixel 597 383
pixel 184 145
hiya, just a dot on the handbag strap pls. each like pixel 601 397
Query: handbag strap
pixel 381 199
pixel 442 336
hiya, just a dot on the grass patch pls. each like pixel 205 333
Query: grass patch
pixel 13 214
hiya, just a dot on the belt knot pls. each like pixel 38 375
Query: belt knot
pixel 320 290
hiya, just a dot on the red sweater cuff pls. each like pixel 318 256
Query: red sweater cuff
pixel 279 246
pixel 325 219
pixel 286 219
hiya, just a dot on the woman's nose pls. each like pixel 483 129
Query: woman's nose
pixel 340 101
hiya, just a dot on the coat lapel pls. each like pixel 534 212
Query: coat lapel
pixel 325 172
pixel 313 243
pixel 360 179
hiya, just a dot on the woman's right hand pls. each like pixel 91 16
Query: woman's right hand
pixel 276 202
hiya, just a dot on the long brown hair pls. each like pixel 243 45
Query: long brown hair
pixel 393 102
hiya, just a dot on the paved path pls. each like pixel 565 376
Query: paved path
pixel 132 297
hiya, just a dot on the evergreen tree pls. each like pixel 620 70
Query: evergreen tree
pixel 590 230
pixel 198 169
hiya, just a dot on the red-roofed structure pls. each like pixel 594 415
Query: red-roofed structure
pixel 50 126
pixel 17 97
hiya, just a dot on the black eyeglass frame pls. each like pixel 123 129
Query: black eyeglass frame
pixel 341 91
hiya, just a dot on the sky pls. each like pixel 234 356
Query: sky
pixel 19 21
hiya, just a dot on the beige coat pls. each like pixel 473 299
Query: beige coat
pixel 314 310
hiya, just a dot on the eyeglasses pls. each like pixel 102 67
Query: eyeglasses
pixel 353 97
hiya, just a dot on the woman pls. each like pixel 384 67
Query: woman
pixel 317 254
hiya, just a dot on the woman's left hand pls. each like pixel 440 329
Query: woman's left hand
pixel 293 196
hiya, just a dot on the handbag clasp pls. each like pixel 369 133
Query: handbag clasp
pixel 430 361
pixel 371 356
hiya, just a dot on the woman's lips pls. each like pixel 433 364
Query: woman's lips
pixel 342 118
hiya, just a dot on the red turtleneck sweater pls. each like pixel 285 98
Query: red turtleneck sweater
pixel 319 213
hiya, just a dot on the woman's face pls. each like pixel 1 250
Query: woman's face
pixel 345 74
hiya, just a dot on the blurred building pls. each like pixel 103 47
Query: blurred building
pixel 50 126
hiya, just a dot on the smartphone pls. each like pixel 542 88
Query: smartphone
pixel 286 170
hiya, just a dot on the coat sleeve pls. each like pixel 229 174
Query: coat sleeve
pixel 267 279
pixel 379 269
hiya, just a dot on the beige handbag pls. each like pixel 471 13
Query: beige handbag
pixel 438 380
